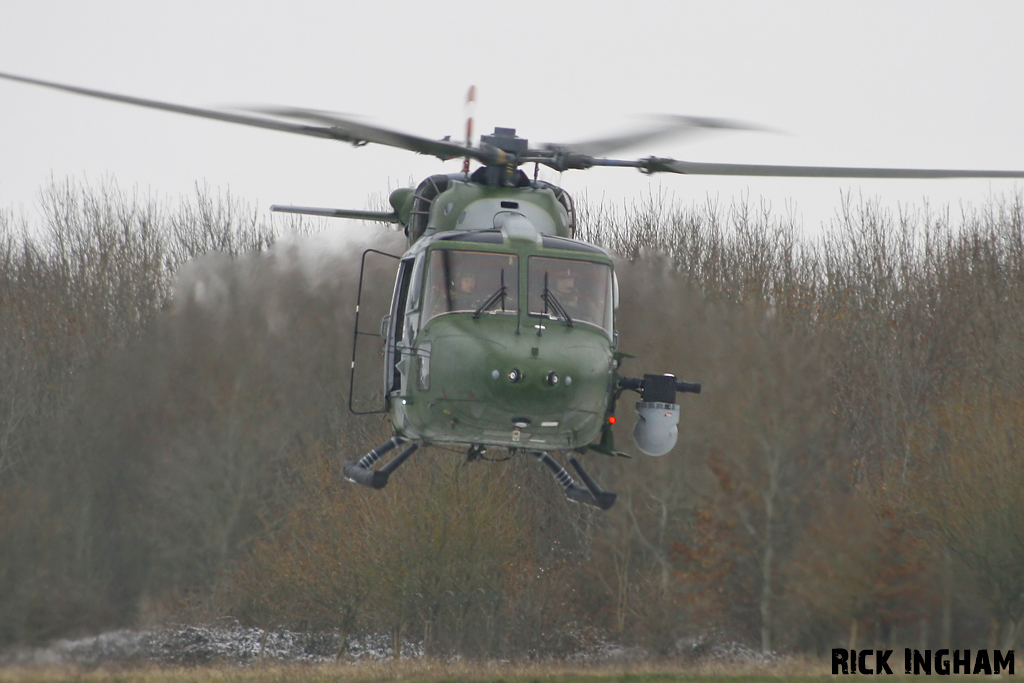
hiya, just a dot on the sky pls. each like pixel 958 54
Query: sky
pixel 930 83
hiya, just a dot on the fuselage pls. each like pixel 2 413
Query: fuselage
pixel 502 327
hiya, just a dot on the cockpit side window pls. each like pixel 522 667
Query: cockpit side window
pixel 582 288
pixel 471 281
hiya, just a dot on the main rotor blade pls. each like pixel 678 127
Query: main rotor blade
pixel 338 128
pixel 443 149
pixel 670 126
pixel 654 165
pixel 229 117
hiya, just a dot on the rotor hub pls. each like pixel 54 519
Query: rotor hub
pixel 506 140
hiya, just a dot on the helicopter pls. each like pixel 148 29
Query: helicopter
pixel 501 331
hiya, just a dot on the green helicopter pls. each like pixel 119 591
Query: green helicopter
pixel 501 331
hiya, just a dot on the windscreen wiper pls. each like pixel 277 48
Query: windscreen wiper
pixel 550 300
pixel 494 298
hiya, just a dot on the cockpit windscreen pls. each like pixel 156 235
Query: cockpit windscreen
pixel 475 281
pixel 581 289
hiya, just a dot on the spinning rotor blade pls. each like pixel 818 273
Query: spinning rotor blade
pixel 337 128
pixel 580 155
pixel 654 165
pixel 670 127
pixel 442 149
pixel 182 109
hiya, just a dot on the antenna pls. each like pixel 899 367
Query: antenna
pixel 470 106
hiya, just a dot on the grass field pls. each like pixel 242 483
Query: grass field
pixel 780 670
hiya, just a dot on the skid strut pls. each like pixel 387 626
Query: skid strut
pixel 360 472
pixel 590 493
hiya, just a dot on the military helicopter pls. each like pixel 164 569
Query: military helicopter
pixel 501 331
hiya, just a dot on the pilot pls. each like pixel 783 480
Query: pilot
pixel 575 289
pixel 464 293
pixel 467 285
pixel 565 289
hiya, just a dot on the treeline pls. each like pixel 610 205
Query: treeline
pixel 855 470
pixel 174 392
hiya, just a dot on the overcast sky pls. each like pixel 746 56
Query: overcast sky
pixel 927 84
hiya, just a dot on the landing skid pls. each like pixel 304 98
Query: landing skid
pixel 588 494
pixel 361 472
